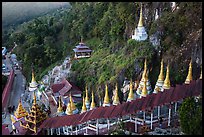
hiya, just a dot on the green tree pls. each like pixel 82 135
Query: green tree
pixel 190 114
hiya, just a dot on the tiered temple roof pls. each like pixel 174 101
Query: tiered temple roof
pixel 82 51
pixel 20 111
pixel 34 118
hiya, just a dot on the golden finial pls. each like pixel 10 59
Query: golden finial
pixel 116 98
pixel 33 77
pixel 145 70
pixel 161 75
pixel 84 106
pixel 144 89
pixel 189 77
pixel 59 109
pixel 131 94
pixel 167 80
pixel 201 73
pixel 73 107
pixel 140 24
pixel 106 98
pixel 87 97
pixel 93 105
pixel 20 111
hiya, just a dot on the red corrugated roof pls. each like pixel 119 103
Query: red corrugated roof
pixel 127 107
pixel 57 87
pixel 109 111
pixel 65 87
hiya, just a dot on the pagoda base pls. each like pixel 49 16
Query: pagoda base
pixel 115 104
pixel 106 105
pixel 32 89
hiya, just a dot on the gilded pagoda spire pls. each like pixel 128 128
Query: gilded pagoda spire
pixel 116 98
pixel 161 75
pixel 189 77
pixel 93 105
pixel 201 73
pixel 69 109
pixel 167 80
pixel 87 97
pixel 33 77
pixel 59 109
pixel 84 106
pixel 140 24
pixel 131 94
pixel 106 98
pixel 20 111
pixel 144 89
pixel 73 107
pixel 145 70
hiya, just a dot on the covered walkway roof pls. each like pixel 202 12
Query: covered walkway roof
pixel 153 100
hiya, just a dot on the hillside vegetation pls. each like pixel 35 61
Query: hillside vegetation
pixel 106 27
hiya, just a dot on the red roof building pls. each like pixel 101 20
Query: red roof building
pixel 65 88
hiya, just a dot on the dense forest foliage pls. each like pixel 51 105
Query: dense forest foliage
pixel 106 27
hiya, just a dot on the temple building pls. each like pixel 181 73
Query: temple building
pixel 63 89
pixel 167 80
pixel 106 101
pixel 160 81
pixel 140 33
pixel 141 84
pixel 33 85
pixel 93 105
pixel 34 118
pixel 189 77
pixel 116 100
pixel 82 51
